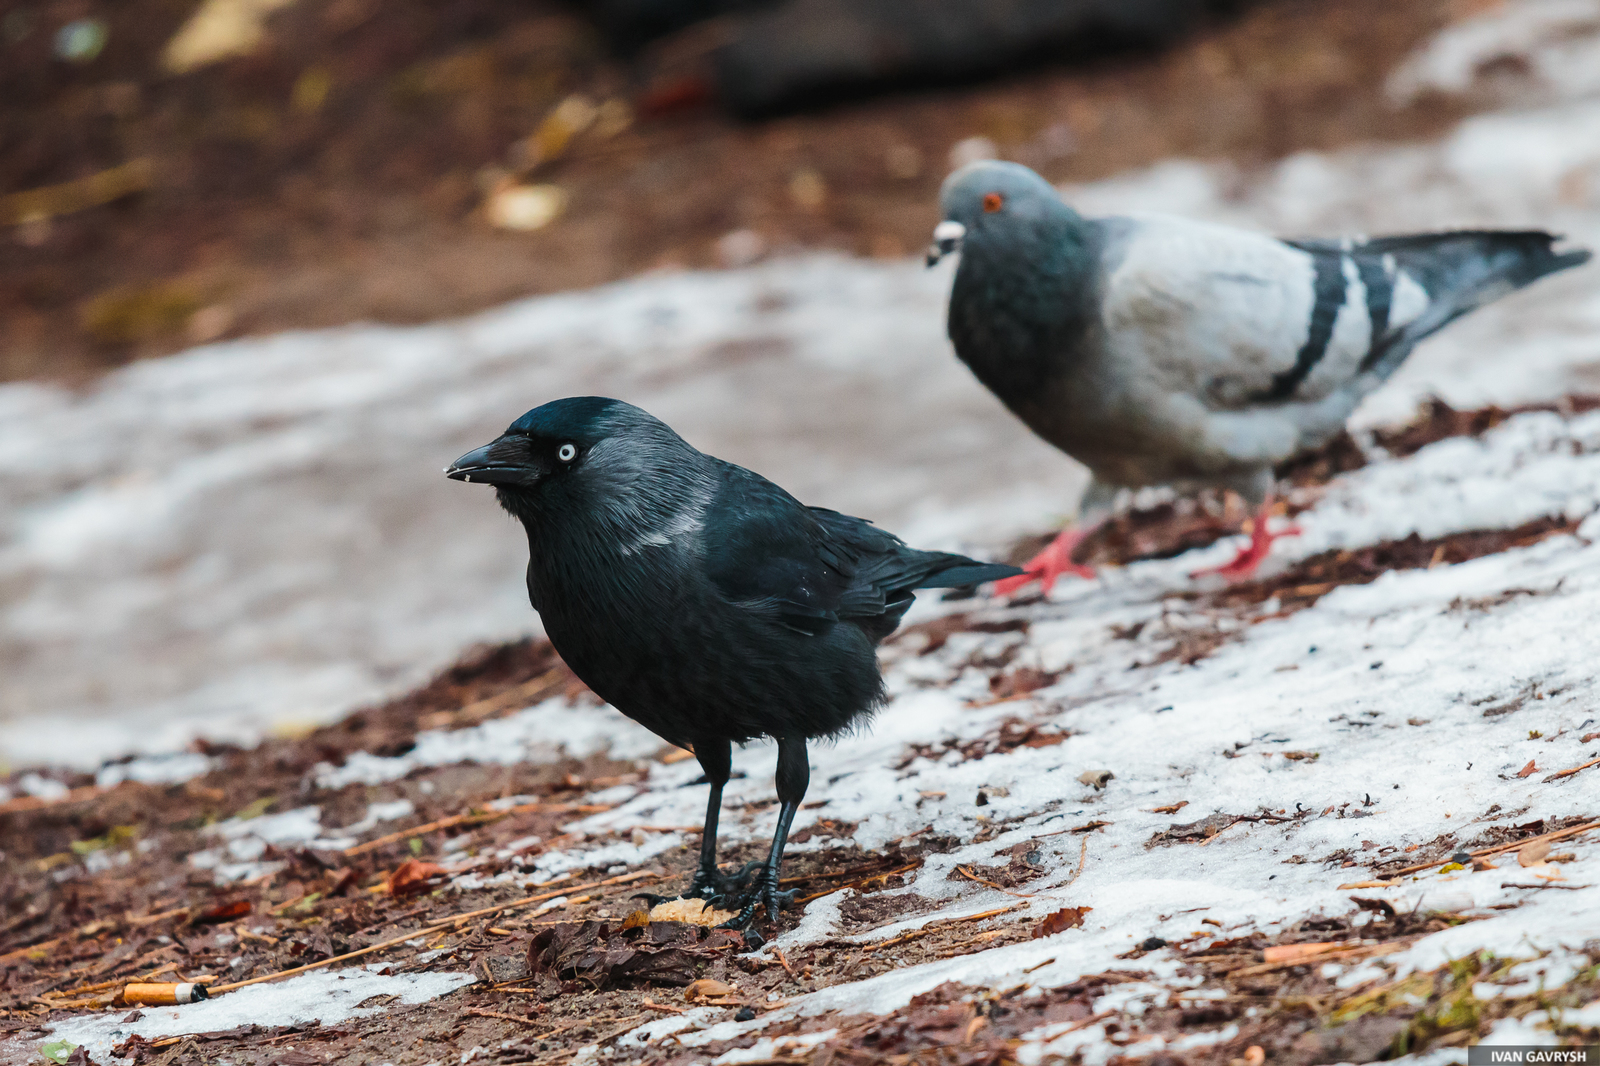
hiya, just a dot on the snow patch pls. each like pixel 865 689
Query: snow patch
pixel 169 769
pixel 328 996
pixel 1550 46
pixel 247 839
pixel 542 733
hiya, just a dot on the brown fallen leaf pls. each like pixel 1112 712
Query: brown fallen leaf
pixel 411 877
pixel 707 989
pixel 222 912
pixel 1059 922
pixel 661 953
pixel 1377 906
pixel 1533 854
pixel 1171 808
pixel 1020 682
pixel 1528 770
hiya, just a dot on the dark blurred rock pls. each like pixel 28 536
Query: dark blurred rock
pixel 807 52
pixel 630 24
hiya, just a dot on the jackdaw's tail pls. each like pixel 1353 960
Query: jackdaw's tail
pixel 957 571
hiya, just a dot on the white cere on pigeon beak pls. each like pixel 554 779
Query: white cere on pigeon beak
pixel 947 237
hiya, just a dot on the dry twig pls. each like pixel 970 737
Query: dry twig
pixel 1558 834
pixel 935 926
pixel 1559 774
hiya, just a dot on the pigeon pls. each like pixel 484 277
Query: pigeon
pixel 703 601
pixel 1158 350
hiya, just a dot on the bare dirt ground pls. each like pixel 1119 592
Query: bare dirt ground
pixel 338 173
pixel 99 889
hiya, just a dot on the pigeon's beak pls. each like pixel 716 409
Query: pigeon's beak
pixel 947 237
pixel 506 461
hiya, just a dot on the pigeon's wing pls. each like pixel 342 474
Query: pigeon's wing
pixel 1232 318
pixel 1238 320
pixel 808 568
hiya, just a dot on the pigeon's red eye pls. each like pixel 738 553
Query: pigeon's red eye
pixel 993 202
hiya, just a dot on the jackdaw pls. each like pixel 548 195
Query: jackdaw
pixel 703 601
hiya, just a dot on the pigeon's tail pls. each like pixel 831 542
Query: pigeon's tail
pixel 1460 272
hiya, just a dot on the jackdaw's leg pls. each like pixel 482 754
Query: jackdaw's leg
pixel 794 774
pixel 1056 559
pixel 716 759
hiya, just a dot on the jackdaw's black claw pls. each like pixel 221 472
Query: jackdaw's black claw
pixel 742 920
pixel 763 893
pixel 716 887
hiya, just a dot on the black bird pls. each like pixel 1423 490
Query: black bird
pixel 703 601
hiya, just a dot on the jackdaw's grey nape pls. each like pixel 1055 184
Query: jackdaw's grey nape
pixel 703 601
pixel 1161 351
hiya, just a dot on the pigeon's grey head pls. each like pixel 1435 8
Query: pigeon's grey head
pixel 998 203
pixel 588 464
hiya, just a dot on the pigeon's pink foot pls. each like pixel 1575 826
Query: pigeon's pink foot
pixel 1251 555
pixel 1050 564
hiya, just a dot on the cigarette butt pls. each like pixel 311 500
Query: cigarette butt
pixel 163 995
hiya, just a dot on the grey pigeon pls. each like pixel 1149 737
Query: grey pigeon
pixel 1163 351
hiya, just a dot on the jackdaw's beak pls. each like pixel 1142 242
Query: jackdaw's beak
pixel 946 239
pixel 501 462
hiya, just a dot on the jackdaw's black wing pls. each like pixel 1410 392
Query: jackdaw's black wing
pixel 809 568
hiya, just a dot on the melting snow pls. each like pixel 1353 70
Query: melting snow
pixel 537 734
pixel 247 839
pixel 328 996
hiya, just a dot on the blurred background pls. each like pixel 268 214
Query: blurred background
pixel 181 172
pixel 266 266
